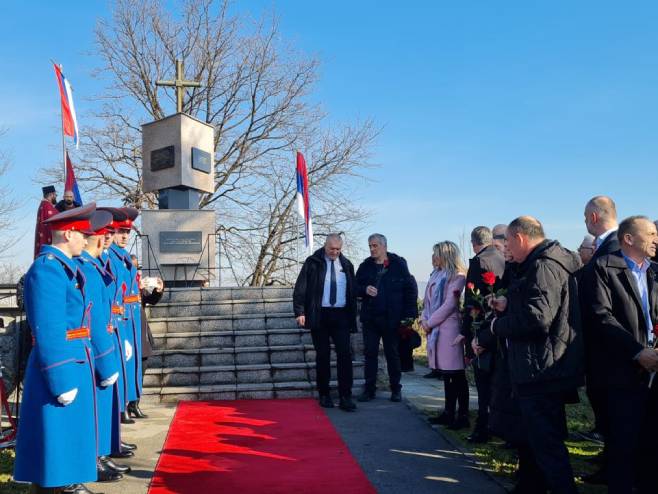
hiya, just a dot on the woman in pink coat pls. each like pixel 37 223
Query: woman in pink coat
pixel 441 321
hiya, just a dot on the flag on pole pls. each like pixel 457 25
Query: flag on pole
pixel 69 121
pixel 303 204
pixel 70 183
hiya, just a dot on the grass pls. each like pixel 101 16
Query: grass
pixel 6 469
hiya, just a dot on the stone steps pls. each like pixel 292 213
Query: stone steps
pixel 222 308
pixel 222 323
pixel 291 389
pixel 238 374
pixel 197 295
pixel 206 339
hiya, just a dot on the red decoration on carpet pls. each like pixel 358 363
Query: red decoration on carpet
pixel 256 447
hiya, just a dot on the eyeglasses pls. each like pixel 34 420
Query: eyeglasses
pixel 499 237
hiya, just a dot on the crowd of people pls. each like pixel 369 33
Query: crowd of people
pixel 535 321
pixel 83 297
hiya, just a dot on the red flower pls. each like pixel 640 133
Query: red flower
pixel 655 330
pixel 470 286
pixel 386 261
pixel 489 278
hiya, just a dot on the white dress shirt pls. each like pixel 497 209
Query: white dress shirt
pixel 601 238
pixel 341 284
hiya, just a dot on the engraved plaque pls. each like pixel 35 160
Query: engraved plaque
pixel 201 160
pixel 163 158
pixel 187 242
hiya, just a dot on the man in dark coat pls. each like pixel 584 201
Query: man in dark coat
pixel 487 259
pixel 601 221
pixel 542 333
pixel 625 305
pixel 324 301
pixel 388 297
pixel 67 203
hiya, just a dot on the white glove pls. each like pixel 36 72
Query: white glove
pixel 129 350
pixel 110 380
pixel 68 397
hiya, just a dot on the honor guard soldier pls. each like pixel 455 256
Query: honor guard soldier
pixel 56 442
pixel 103 342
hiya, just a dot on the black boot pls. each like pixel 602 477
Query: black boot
pixel 106 474
pixel 461 422
pixel 125 418
pixel 76 489
pixel 114 466
pixel 134 410
pixel 123 453
pixel 128 446
pixel 445 418
pixel 347 404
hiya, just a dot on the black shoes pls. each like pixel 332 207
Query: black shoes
pixel 114 466
pixel 133 410
pixel 326 401
pixel 124 453
pixel 347 404
pixel 433 374
pixel 396 396
pixel 106 474
pixel 478 436
pixel 461 422
pixel 128 446
pixel 125 418
pixel 366 396
pixel 76 489
pixel 444 419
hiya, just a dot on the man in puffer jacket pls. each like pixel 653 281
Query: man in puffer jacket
pixel 541 331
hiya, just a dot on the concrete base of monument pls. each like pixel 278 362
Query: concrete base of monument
pixel 182 243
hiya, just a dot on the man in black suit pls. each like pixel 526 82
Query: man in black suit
pixel 625 305
pixel 601 221
pixel 325 302
pixel 487 259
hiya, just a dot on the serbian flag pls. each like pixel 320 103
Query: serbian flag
pixel 70 183
pixel 69 121
pixel 303 204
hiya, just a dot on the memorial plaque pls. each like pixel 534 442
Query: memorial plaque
pixel 201 160
pixel 181 242
pixel 163 158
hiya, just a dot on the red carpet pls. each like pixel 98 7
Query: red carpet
pixel 256 446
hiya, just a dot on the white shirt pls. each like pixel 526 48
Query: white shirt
pixel 341 284
pixel 601 238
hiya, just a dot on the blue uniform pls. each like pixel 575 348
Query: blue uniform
pixel 103 343
pixel 56 444
pixel 130 326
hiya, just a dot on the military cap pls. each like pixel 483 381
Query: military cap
pixel 76 219
pixel 101 221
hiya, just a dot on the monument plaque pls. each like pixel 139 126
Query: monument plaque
pixel 163 158
pixel 201 160
pixel 181 242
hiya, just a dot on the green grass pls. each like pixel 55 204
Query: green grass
pixel 6 468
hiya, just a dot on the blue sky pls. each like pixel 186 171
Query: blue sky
pixel 489 109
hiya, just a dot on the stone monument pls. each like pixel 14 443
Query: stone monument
pixel 178 164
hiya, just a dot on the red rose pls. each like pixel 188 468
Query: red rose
pixel 655 330
pixel 470 286
pixel 386 263
pixel 489 278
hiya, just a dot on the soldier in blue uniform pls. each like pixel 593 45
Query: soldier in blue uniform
pixel 56 442
pixel 103 341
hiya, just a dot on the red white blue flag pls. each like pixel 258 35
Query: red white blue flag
pixel 303 205
pixel 70 183
pixel 69 121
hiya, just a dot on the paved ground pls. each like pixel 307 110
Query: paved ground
pixel 398 450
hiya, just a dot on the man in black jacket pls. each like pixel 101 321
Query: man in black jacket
pixel 601 221
pixel 325 302
pixel 625 305
pixel 487 259
pixel 388 297
pixel 542 332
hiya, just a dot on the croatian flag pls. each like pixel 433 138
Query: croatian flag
pixel 70 183
pixel 303 204
pixel 69 121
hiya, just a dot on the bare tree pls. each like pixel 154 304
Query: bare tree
pixel 8 204
pixel 255 93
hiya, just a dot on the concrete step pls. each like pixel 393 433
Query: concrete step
pixel 221 308
pixel 224 339
pixel 202 357
pixel 291 389
pixel 229 293
pixel 222 323
pixel 239 374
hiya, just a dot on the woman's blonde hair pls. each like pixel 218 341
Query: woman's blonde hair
pixel 450 258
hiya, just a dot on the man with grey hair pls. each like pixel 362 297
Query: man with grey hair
pixel 325 302
pixel 486 259
pixel 388 296
pixel 498 233
pixel 586 248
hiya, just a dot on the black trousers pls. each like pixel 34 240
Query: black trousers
pixel 483 385
pixel 334 325
pixel 373 332
pixel 456 391
pixel 544 420
pixel 631 439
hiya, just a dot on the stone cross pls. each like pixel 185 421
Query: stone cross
pixel 180 84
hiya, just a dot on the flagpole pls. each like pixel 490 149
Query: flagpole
pixel 61 120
